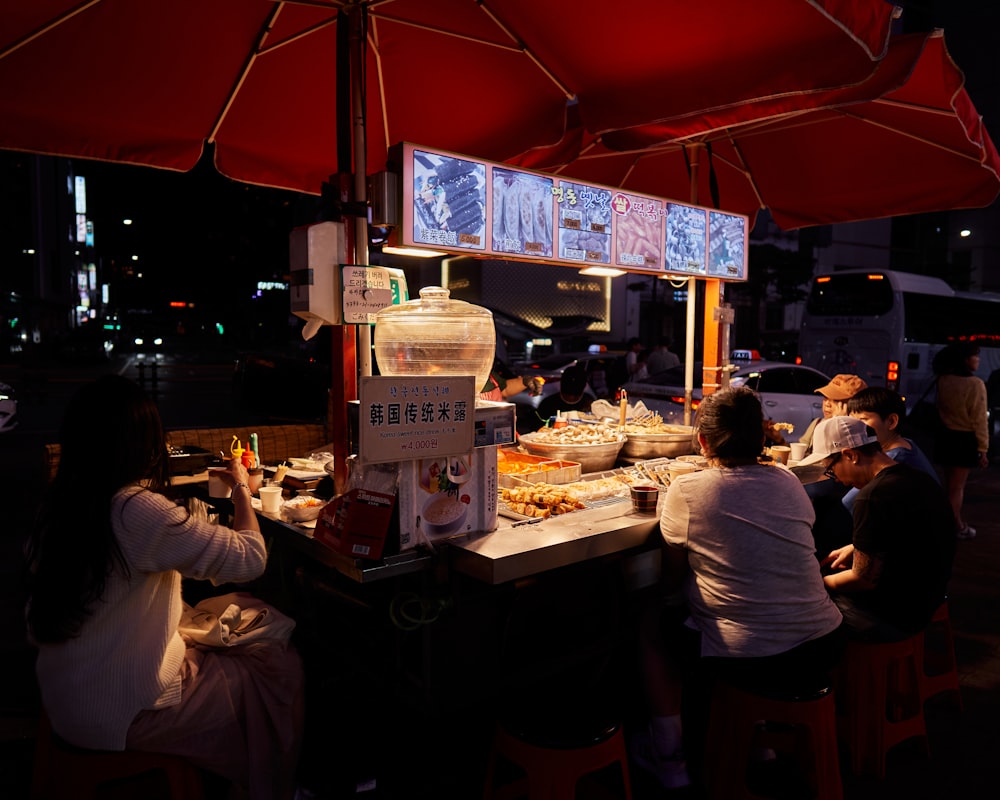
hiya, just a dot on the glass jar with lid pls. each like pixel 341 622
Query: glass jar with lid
pixel 435 335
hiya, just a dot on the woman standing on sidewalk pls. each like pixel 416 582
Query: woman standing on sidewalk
pixel 963 439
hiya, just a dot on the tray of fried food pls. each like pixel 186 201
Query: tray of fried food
pixel 537 500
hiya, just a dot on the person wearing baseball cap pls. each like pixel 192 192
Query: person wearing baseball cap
pixel 894 574
pixel 835 396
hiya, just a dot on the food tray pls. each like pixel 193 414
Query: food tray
pixel 535 469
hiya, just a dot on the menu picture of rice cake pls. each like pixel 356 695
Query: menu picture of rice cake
pixel 584 214
pixel 449 201
pixel 522 212
pixel 686 239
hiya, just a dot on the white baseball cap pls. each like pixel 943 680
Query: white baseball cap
pixel 836 434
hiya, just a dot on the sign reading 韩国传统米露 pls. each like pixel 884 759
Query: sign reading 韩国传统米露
pixel 406 417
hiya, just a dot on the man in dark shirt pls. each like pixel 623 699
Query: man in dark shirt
pixel 894 574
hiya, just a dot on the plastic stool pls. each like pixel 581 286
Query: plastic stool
pixel 944 674
pixel 882 701
pixel 62 770
pixel 733 726
pixel 552 770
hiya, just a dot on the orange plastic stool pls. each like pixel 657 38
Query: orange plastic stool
pixel 551 773
pixel 883 704
pixel 62 770
pixel 735 718
pixel 938 668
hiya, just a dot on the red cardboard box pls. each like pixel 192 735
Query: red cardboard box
pixel 356 523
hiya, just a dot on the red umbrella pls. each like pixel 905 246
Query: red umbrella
pixel 907 140
pixel 151 82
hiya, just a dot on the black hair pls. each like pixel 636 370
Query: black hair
pixel 953 359
pixel 111 437
pixel 877 400
pixel 732 424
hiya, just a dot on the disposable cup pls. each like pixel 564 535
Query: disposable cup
pixel 270 499
pixel 217 487
pixel 781 452
pixel 644 499
pixel 677 468
pixel 798 450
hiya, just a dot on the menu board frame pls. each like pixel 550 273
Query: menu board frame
pixel 469 206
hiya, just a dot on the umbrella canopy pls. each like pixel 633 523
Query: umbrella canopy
pixel 152 82
pixel 907 140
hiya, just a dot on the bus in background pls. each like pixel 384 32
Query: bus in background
pixel 886 326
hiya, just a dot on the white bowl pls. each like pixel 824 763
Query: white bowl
pixel 303 508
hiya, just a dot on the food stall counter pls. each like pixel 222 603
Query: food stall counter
pixel 518 549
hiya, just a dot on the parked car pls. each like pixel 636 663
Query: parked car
pixel 787 392
pixel 604 373
pixel 8 408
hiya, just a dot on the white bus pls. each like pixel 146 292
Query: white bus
pixel 887 326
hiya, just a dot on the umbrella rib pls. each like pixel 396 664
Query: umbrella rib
pixel 247 65
pixel 41 31
pixel 570 95
pixel 373 41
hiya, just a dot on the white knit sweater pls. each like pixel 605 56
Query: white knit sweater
pixel 128 655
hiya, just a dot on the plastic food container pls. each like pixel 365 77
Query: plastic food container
pixel 435 335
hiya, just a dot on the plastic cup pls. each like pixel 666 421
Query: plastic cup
pixel 677 468
pixel 270 499
pixel 644 499
pixel 798 450
pixel 781 452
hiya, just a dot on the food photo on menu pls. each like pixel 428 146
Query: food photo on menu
pixel 726 245
pixel 584 214
pixel 522 213
pixel 449 201
pixel 639 231
pixel 685 239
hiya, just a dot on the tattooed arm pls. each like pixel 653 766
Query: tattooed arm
pixel 863 576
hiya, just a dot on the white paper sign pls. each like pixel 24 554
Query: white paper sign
pixel 367 290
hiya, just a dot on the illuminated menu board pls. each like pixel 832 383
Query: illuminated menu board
pixel 461 204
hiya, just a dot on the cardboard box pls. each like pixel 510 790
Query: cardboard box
pixel 447 496
pixel 356 523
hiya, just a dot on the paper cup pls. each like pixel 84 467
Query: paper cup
pixel 678 468
pixel 798 450
pixel 781 452
pixel 270 499
pixel 644 499
pixel 216 486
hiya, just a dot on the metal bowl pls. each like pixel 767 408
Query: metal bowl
pixel 591 457
pixel 659 445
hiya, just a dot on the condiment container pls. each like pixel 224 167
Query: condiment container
pixel 435 335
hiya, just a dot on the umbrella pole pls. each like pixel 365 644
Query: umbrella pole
pixel 357 45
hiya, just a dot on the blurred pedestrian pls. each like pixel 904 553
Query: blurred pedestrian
pixel 662 357
pixel 962 441
pixel 105 565
pixel 633 348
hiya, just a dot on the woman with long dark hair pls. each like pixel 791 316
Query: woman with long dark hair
pixel 105 564
pixel 962 441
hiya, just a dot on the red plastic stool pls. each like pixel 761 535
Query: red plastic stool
pixel 62 770
pixel 939 669
pixel 734 730
pixel 552 772
pixel 883 705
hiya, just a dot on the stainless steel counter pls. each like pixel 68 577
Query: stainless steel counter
pixel 516 551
